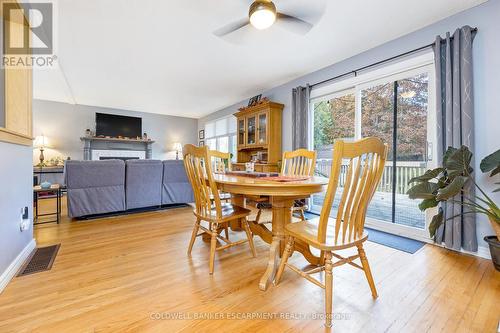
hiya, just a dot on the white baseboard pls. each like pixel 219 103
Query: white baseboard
pixel 482 251
pixel 11 271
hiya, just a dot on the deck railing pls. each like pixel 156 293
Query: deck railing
pixel 404 172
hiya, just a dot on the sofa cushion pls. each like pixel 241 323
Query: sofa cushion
pixel 143 183
pixel 95 187
pixel 176 187
pixel 84 174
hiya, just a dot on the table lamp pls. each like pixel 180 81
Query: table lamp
pixel 177 148
pixel 40 143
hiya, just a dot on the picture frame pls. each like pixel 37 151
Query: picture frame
pixel 201 143
pixel 201 135
pixel 254 100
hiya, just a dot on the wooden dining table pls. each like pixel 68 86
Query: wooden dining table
pixel 282 197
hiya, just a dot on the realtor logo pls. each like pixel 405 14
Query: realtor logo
pixel 28 34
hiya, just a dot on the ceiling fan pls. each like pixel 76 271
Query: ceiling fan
pixel 262 14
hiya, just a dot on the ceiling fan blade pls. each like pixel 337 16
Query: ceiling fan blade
pixel 231 27
pixel 295 24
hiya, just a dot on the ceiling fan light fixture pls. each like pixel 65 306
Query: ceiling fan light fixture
pixel 262 14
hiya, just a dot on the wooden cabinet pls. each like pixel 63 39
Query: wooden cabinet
pixel 259 132
pixel 16 122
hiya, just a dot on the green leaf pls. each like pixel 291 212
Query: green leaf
pixel 452 189
pixel 423 191
pixel 436 221
pixel 428 203
pixel 497 190
pixel 491 162
pixel 447 153
pixel 428 175
pixel 458 162
pixel 495 171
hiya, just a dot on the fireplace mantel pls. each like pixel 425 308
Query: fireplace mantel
pixel 96 143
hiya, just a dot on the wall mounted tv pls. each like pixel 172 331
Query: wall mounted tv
pixel 114 125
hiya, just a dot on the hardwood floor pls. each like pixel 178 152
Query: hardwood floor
pixel 132 274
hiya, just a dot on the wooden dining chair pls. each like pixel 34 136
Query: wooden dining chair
pixel 221 162
pixel 366 160
pixel 208 206
pixel 300 162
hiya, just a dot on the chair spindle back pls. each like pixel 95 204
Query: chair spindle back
pixel 366 161
pixel 220 161
pixel 300 162
pixel 197 161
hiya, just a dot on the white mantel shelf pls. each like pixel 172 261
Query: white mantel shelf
pixel 119 145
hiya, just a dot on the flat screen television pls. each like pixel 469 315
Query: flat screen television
pixel 114 125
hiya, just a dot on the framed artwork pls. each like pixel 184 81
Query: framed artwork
pixel 254 100
pixel 201 135
pixel 201 143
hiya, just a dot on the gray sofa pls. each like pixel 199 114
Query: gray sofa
pixel 99 187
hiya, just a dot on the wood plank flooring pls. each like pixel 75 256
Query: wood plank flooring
pixel 132 274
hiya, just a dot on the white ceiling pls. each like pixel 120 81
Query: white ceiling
pixel 160 56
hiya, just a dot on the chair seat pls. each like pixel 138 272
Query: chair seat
pixel 229 212
pixel 307 231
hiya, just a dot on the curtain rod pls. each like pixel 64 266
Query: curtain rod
pixel 355 72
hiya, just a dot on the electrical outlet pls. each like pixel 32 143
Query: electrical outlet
pixel 25 220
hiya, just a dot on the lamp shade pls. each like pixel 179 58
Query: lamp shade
pixel 177 146
pixel 40 142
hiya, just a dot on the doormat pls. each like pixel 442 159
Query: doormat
pixel 383 238
pixel 41 260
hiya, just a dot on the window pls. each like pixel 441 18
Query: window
pixel 220 135
pixel 394 103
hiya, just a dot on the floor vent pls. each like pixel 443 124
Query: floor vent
pixel 41 260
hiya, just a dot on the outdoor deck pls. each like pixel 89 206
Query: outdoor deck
pixel 407 212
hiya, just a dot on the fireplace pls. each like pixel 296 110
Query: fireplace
pixel 114 148
pixel 118 158
pixel 105 154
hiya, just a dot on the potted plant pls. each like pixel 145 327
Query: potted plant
pixel 446 182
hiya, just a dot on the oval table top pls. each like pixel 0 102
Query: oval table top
pixel 256 186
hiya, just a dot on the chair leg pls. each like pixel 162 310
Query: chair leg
pixel 328 288
pixel 193 236
pixel 213 244
pixel 366 268
pixel 302 215
pixel 257 217
pixel 226 230
pixel 286 254
pixel 249 236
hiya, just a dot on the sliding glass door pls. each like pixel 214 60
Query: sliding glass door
pixel 396 109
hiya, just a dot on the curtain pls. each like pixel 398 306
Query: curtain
pixel 300 117
pixel 455 124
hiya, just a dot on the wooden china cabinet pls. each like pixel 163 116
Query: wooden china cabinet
pixel 259 136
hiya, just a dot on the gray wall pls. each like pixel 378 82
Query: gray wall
pixel 63 125
pixel 16 179
pixel 486 80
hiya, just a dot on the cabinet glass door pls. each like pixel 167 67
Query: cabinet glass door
pixel 262 128
pixel 251 130
pixel 241 132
